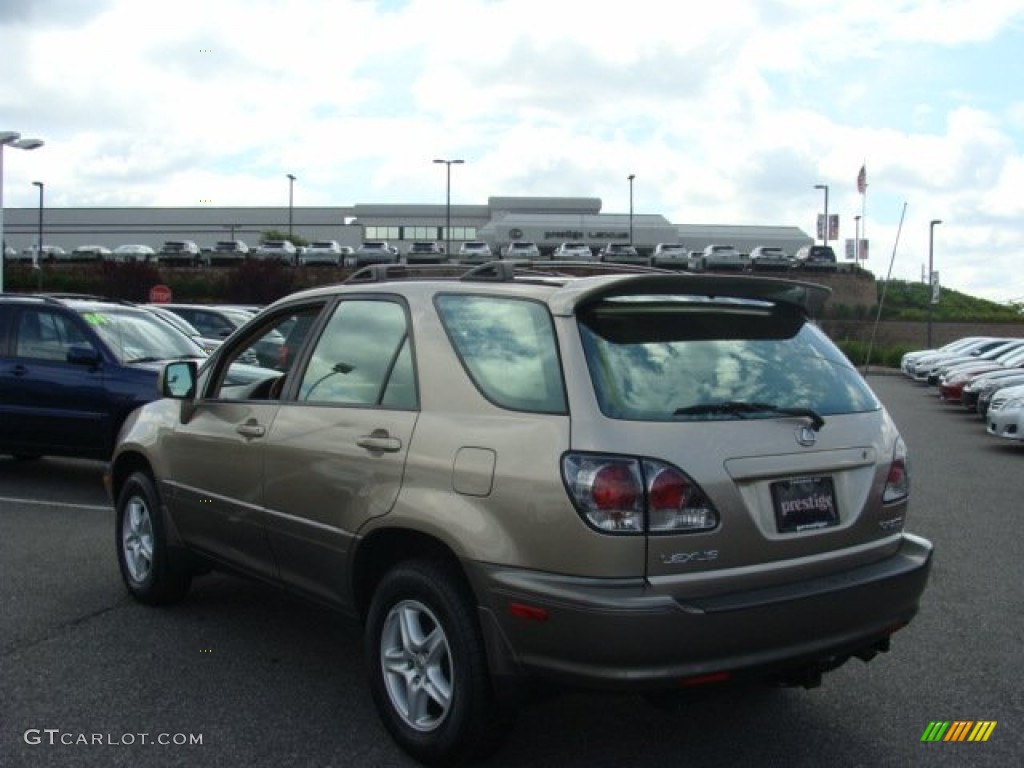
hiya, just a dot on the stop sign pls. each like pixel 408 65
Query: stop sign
pixel 159 294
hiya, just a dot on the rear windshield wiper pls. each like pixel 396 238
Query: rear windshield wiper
pixel 738 408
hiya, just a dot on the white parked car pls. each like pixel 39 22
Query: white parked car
pixel 276 250
pixel 322 252
pixel 522 249
pixel 723 257
pixel 475 251
pixel 767 257
pixel 50 253
pixel 425 252
pixel 90 253
pixel 574 251
pixel 621 253
pixel 1006 414
pixel 133 252
pixel 670 256
pixel 374 252
pixel 227 252
pixel 181 252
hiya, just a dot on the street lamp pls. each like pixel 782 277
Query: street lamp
pixel 9 139
pixel 931 275
pixel 631 177
pixel 39 244
pixel 448 205
pixel 824 229
pixel 856 241
pixel 291 190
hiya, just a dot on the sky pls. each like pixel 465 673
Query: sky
pixel 728 112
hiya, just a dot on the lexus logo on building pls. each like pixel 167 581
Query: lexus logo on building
pixel 515 234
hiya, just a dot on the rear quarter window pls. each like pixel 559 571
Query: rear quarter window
pixel 507 347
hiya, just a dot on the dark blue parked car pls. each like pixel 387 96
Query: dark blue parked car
pixel 72 370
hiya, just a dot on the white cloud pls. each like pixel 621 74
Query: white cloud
pixel 731 115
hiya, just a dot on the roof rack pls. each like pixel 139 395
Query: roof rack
pixel 507 270
pixel 52 295
pixel 498 271
pixel 382 273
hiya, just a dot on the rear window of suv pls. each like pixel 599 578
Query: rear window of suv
pixel 650 359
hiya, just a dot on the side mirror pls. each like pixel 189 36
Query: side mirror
pixel 83 354
pixel 178 380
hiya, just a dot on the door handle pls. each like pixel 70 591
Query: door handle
pixel 19 370
pixel 380 440
pixel 250 429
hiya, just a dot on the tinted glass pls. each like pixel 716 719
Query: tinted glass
pixel 648 359
pixel 363 347
pixel 136 336
pixel 46 335
pixel 508 349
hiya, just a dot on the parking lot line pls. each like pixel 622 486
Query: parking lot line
pixel 44 503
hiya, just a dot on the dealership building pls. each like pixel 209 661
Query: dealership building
pixel 547 221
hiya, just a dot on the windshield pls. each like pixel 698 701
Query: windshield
pixel 660 360
pixel 137 336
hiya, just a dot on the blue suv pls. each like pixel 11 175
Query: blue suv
pixel 71 370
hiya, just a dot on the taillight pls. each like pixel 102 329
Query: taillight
pixel 897 482
pixel 675 503
pixel 608 491
pixel 626 495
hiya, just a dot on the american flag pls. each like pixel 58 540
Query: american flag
pixel 862 179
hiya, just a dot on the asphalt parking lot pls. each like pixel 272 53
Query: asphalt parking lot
pixel 240 675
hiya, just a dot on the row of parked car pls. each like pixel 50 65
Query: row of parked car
pixel 330 253
pixel 982 374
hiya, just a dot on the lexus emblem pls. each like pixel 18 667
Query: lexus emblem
pixel 806 436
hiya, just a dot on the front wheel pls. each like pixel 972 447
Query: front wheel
pixel 428 669
pixel 153 571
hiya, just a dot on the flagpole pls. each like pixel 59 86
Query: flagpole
pixel 862 187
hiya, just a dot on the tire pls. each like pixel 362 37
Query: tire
pixel 154 572
pixel 428 669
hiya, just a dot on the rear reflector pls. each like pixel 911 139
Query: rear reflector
pixel 529 612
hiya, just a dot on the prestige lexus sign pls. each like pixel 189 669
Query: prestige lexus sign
pixel 571 234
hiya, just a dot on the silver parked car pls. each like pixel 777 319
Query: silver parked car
pixel 374 252
pixel 622 253
pixel 321 252
pixel 670 256
pixel 629 482
pixel 573 251
pixel 771 258
pixel 474 252
pixel 522 249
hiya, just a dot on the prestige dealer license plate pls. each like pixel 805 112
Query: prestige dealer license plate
pixel 804 503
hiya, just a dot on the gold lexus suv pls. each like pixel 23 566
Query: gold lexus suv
pixel 625 479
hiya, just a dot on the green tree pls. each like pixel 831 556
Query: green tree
pixel 276 234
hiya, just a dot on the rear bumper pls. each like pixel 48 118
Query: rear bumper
pixel 628 635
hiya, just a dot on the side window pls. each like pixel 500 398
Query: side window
pixel 257 366
pixel 45 335
pixel 508 349
pixel 362 358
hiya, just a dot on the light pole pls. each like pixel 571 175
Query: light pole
pixel 856 241
pixel 9 139
pixel 931 278
pixel 631 177
pixel 39 244
pixel 448 205
pixel 291 190
pixel 824 229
